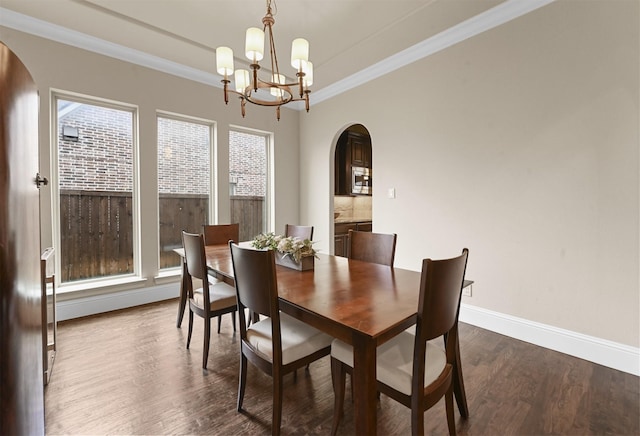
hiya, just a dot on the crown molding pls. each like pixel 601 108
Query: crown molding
pixel 480 23
pixel 487 20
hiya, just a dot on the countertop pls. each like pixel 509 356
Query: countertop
pixel 349 220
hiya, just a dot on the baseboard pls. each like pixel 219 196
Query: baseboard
pixel 603 352
pixel 85 306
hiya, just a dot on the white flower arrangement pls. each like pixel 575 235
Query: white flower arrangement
pixel 290 246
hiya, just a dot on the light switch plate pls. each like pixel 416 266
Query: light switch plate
pixel 391 193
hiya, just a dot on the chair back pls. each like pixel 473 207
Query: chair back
pixel 194 255
pixel 220 233
pixel 301 232
pixel 440 295
pixel 196 261
pixel 255 276
pixel 372 247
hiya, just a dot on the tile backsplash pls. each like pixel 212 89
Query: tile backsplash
pixel 358 207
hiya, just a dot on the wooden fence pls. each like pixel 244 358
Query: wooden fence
pixel 179 212
pixel 249 212
pixel 96 234
pixel 96 229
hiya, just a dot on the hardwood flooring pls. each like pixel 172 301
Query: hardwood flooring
pixel 128 372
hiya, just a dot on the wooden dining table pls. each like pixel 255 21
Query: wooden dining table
pixel 363 304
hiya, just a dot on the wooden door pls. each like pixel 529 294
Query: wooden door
pixel 22 398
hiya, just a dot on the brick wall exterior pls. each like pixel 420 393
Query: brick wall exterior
pixel 102 157
pixel 247 164
pixel 178 171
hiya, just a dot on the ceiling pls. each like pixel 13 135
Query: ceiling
pixel 345 36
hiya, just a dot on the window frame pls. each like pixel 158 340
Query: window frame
pixel 99 282
pixel 270 176
pixel 213 183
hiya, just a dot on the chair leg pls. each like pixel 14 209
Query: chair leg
pixel 277 404
pixel 243 380
pixel 207 339
pixel 190 328
pixel 219 323
pixel 451 423
pixel 458 383
pixel 233 320
pixel 417 422
pixel 338 377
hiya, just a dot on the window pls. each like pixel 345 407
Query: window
pixel 184 181
pixel 97 226
pixel 248 182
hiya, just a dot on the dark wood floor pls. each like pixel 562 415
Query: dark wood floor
pixel 128 372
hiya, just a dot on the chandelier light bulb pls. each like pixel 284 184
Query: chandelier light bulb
pixel 279 79
pixel 242 80
pixel 224 61
pixel 307 69
pixel 299 52
pixel 254 44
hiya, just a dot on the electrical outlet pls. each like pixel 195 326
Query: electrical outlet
pixel 466 292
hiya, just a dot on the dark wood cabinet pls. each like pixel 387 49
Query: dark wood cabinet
pixel 341 236
pixel 352 150
pixel 360 147
pixel 341 245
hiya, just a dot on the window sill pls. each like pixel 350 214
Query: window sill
pixel 87 288
pixel 168 275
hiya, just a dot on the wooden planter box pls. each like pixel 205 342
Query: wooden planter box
pixel 305 264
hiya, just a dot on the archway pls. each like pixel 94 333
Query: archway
pixel 353 188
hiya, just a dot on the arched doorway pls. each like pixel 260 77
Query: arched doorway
pixel 352 201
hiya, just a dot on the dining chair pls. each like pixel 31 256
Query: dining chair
pixel 277 344
pixel 372 247
pixel 215 234
pixel 301 232
pixel 220 233
pixel 212 299
pixel 410 369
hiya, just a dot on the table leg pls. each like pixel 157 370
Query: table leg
pixel 364 385
pixel 183 294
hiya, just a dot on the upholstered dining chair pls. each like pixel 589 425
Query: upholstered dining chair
pixel 410 369
pixel 278 344
pixel 213 299
pixel 372 247
pixel 301 232
pixel 215 234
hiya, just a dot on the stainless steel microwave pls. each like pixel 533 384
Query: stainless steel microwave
pixel 361 182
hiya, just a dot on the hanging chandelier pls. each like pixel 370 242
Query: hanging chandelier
pixel 250 87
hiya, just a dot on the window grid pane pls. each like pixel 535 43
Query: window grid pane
pixel 248 182
pixel 95 173
pixel 184 180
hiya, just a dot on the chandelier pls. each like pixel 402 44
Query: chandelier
pixel 250 87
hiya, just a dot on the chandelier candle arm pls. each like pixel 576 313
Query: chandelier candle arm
pixel 248 84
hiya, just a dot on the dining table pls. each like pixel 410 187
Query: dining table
pixel 361 303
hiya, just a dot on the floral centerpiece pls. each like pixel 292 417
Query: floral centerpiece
pixel 290 251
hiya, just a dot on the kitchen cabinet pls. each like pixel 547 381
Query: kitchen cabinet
pixel 352 150
pixel 341 235
pixel 360 147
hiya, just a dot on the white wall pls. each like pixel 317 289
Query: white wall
pixel 63 67
pixel 520 144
